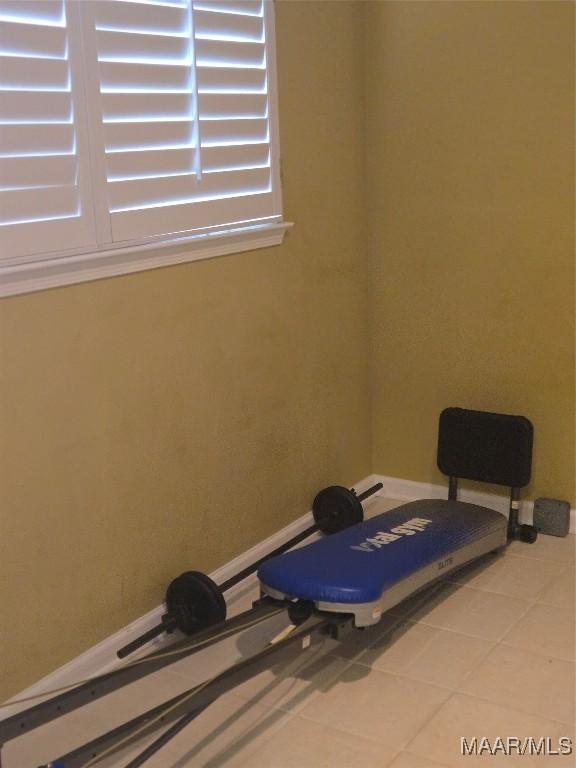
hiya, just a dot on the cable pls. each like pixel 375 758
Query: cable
pixel 150 723
pixel 200 644
pixel 429 592
pixel 185 697
pixel 221 635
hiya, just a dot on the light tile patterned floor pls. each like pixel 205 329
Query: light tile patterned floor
pixel 490 653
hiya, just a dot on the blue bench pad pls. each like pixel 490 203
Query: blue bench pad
pixel 357 565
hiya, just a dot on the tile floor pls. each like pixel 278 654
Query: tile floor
pixel 489 653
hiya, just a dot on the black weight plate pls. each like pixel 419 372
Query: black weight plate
pixel 195 602
pixel 336 508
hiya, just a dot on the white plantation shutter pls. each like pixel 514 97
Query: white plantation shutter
pixel 186 115
pixel 44 193
pixel 131 125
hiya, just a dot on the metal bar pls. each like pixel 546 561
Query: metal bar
pixel 48 710
pixel 513 512
pixel 453 488
pixel 166 737
pixel 370 491
pixel 238 577
pixel 78 757
pixel 195 702
pixel 166 625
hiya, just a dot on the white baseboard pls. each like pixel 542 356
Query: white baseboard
pixel 102 657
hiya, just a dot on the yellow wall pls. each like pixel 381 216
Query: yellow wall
pixel 470 117
pixel 170 419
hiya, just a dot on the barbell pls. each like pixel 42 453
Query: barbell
pixel 195 602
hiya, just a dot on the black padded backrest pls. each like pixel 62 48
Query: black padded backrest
pixel 489 447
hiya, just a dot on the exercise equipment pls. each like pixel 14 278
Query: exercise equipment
pixel 332 585
pixel 195 602
pixel 336 508
pixel 371 567
pixel 552 516
pixel 490 448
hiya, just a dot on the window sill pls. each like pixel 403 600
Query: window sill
pixel 81 268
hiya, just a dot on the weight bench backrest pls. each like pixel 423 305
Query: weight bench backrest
pixel 488 447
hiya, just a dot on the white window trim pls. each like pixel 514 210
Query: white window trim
pixel 69 270
pixel 58 269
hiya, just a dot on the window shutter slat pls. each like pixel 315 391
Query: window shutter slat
pixel 239 156
pixel 34 74
pixel 31 172
pixel 30 40
pixel 40 12
pixel 146 73
pixel 126 77
pixel 185 110
pixel 119 45
pixel 233 93
pixel 227 26
pixel 43 203
pixel 224 105
pixel 183 189
pixel 202 216
pixel 229 53
pixel 248 7
pixel 134 165
pixel 136 136
pixel 18 107
pixel 40 139
pixel 142 17
pixel 224 132
pixel 137 106
pixel 46 202
pixel 231 80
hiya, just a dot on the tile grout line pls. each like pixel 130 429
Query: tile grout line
pixel 348 664
pixel 246 737
pixel 487 701
pixel 531 600
pixel 495 645
pixel 492 642
pixel 536 653
pixel 429 719
pixel 512 709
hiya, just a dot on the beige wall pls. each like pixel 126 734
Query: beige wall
pixel 171 419
pixel 470 114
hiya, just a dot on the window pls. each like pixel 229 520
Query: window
pixel 134 134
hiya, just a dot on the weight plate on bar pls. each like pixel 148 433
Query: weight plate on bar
pixel 336 508
pixel 195 602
